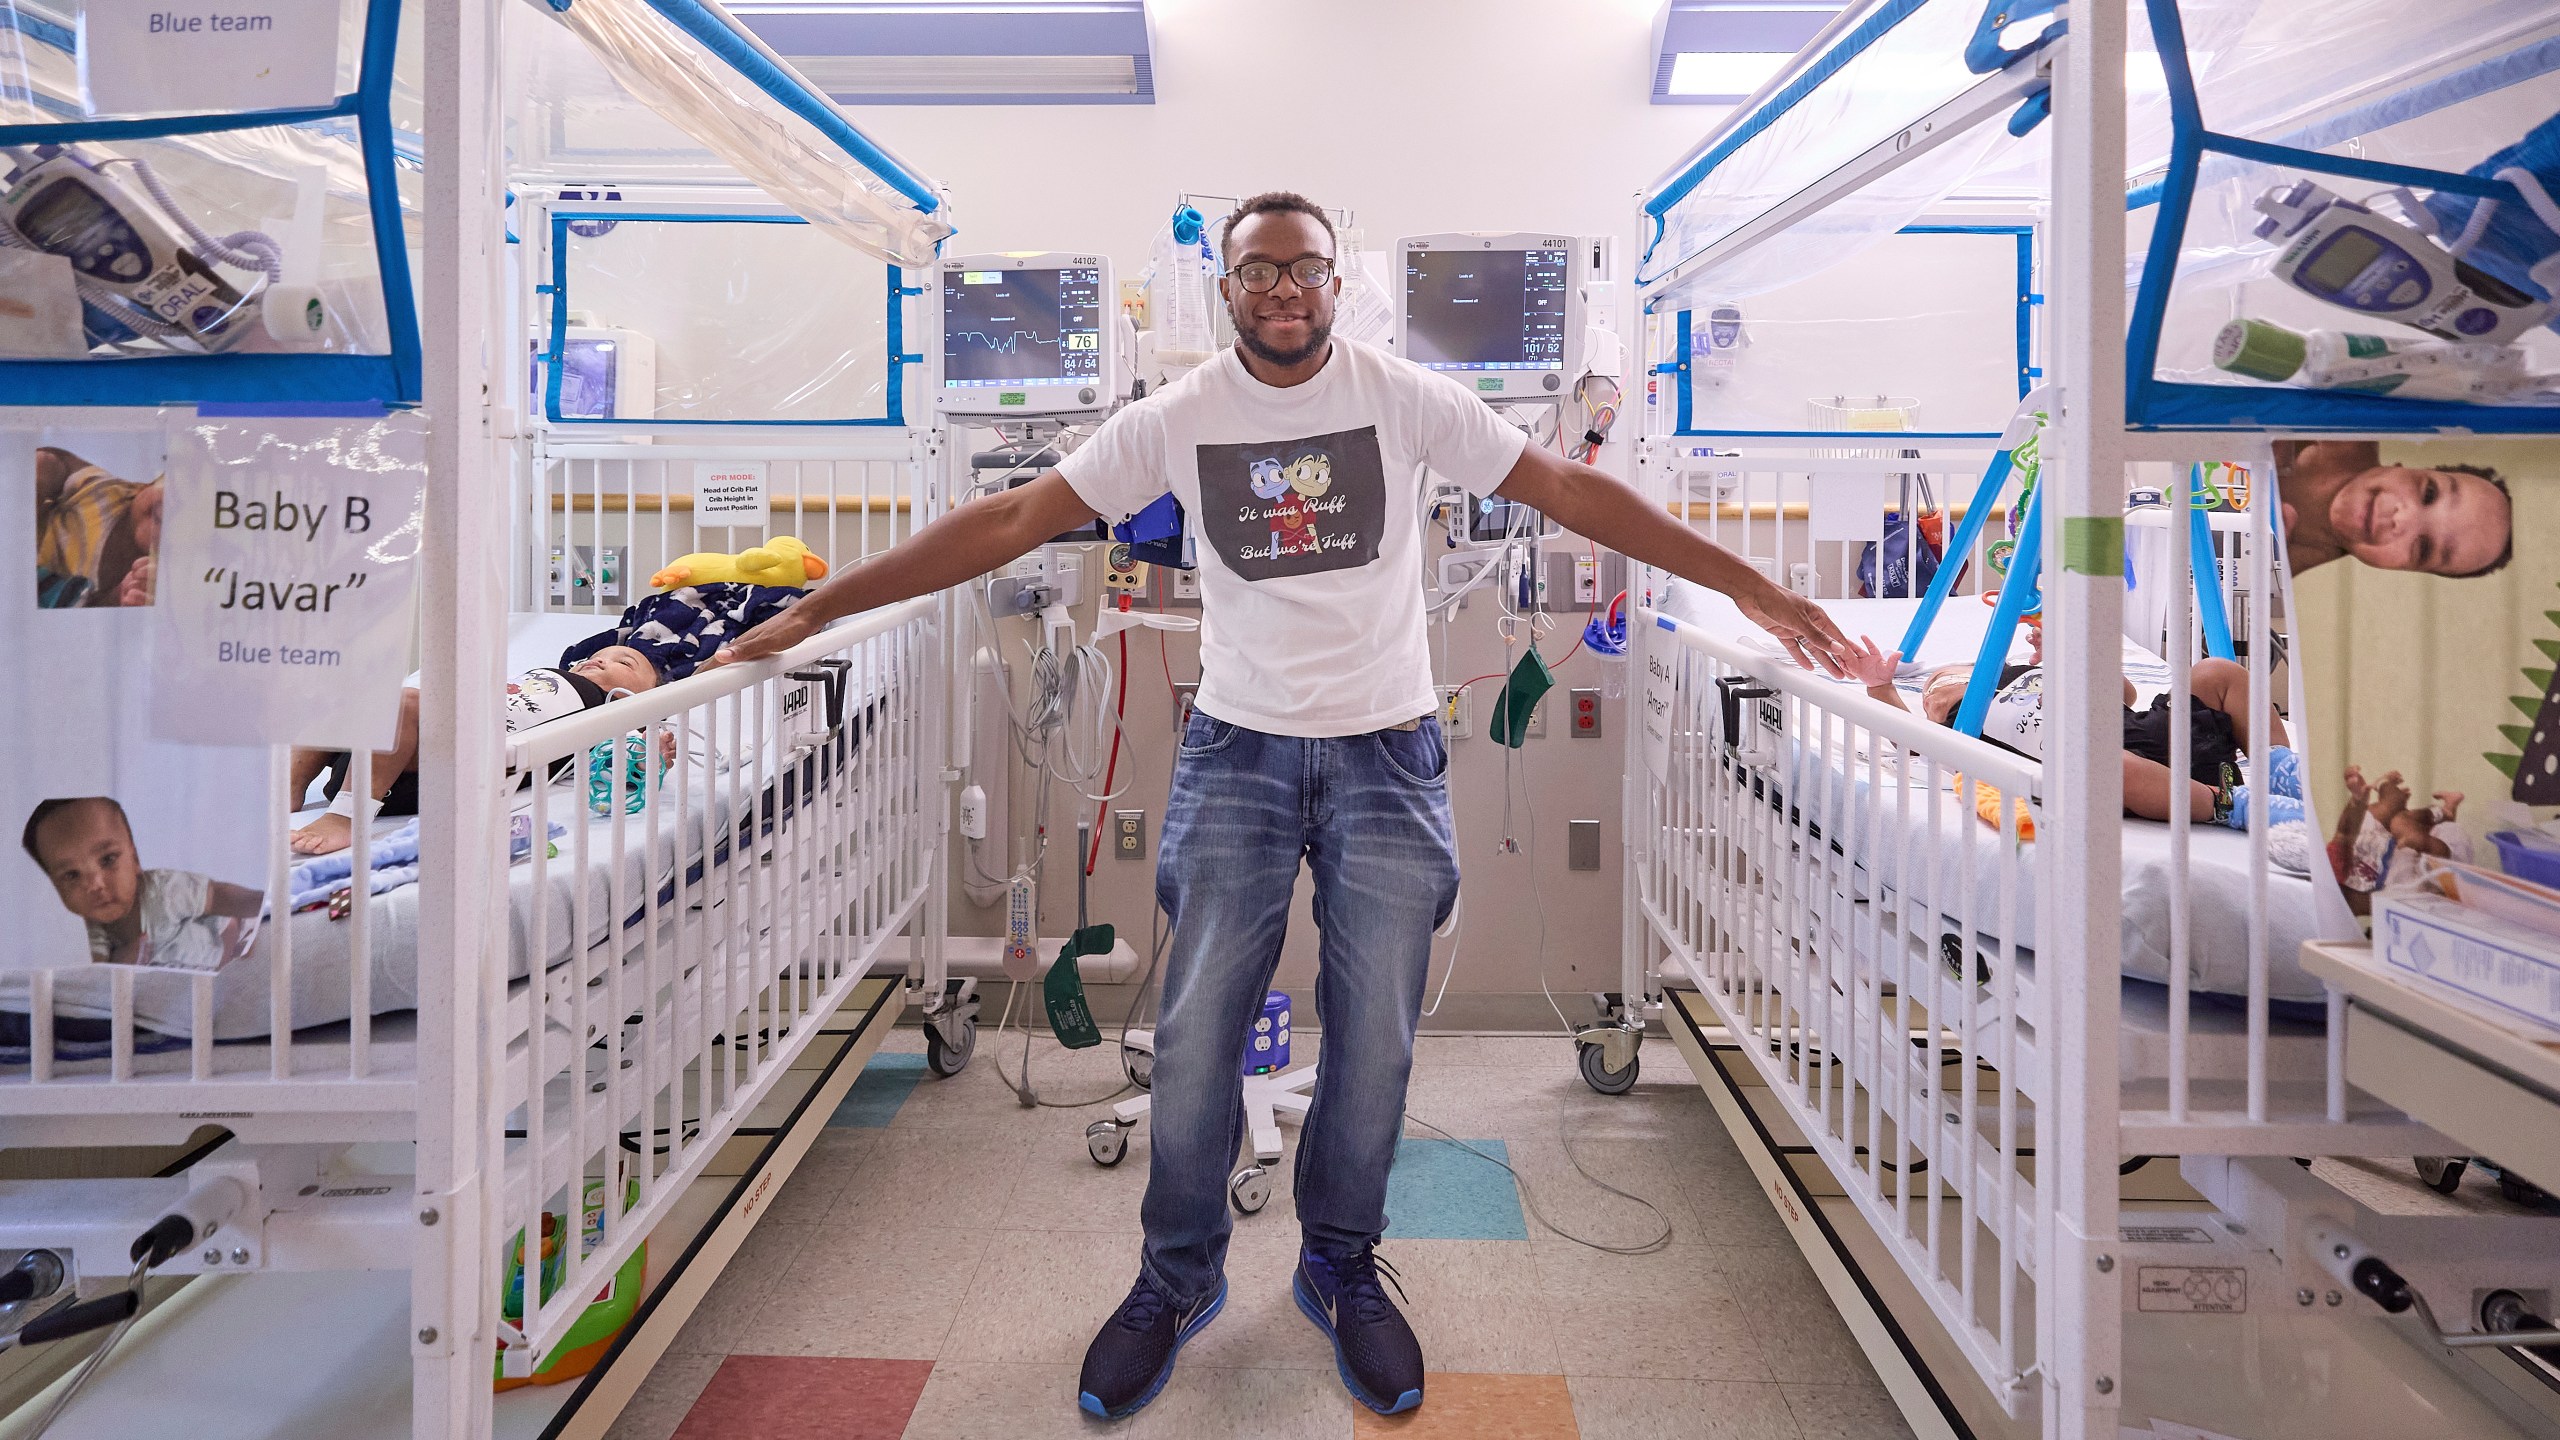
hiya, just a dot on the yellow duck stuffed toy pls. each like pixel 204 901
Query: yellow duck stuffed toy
pixel 782 560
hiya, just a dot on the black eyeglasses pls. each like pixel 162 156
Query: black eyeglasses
pixel 1309 271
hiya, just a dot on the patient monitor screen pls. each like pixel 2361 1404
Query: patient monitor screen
pixel 1476 309
pixel 1022 327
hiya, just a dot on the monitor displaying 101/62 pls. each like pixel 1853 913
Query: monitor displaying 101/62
pixel 1486 309
pixel 1021 327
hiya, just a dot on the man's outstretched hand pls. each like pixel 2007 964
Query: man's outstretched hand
pixel 768 639
pixel 1801 626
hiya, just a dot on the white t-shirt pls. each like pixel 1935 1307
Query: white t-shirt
pixel 177 934
pixel 1306 506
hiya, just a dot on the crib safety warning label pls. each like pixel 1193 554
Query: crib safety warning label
pixel 2192 1290
pixel 729 492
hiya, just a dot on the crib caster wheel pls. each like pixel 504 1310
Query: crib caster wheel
pixel 1597 1074
pixel 944 1058
pixel 2443 1173
pixel 1106 1142
pixel 1140 1067
pixel 1249 1190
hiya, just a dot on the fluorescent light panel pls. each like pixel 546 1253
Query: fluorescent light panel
pixel 1708 72
pixel 1709 52
pixel 1009 75
pixel 963 52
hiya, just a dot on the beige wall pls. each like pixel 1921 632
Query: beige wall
pixel 2414 673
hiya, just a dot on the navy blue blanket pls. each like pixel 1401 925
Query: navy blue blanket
pixel 681 628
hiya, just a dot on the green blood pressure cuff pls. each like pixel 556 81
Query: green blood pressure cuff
pixel 1070 1019
pixel 1530 681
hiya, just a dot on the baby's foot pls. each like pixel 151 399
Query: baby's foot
pixel 323 836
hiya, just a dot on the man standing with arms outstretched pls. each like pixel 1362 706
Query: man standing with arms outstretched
pixel 1315 739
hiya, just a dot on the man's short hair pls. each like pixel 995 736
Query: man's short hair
pixel 47 809
pixel 2483 472
pixel 1272 202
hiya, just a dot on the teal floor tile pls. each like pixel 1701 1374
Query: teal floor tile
pixel 1438 1191
pixel 883 1086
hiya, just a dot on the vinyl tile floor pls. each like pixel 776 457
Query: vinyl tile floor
pixel 936 1265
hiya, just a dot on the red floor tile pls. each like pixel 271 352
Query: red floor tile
pixel 1479 1407
pixel 796 1397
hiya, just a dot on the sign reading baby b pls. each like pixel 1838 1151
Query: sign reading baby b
pixel 287 579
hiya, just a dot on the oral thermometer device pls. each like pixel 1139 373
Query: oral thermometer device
pixel 2348 255
pixel 137 274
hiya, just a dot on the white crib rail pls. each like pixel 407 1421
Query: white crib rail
pixel 1814 862
pixel 314 1076
pixel 1813 904
pixel 812 821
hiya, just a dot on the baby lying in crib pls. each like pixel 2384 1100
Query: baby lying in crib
pixel 538 695
pixel 2219 731
pixel 663 637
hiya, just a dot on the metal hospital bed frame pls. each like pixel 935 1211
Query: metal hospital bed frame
pixel 609 1010
pixel 1975 1108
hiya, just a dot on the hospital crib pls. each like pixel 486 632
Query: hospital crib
pixel 691 882
pixel 1852 893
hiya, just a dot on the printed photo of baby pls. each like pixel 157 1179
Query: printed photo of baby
pixel 161 919
pixel 97 534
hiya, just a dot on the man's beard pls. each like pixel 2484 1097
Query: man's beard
pixel 1319 332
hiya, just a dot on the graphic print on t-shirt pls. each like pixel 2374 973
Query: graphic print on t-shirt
pixel 1295 507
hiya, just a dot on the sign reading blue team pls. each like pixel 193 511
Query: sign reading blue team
pixel 167 23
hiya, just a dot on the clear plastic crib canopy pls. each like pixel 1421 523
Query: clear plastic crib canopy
pixel 2416 118
pixel 243 253
pixel 677 91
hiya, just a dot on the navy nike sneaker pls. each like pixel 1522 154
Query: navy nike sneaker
pixel 1129 1361
pixel 1373 1347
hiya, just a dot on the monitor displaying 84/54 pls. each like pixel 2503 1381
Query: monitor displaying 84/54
pixel 1021 327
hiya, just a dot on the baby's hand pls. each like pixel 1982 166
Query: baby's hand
pixel 2357 789
pixel 1871 667
pixel 2448 802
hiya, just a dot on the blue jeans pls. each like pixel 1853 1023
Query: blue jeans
pixel 1370 815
